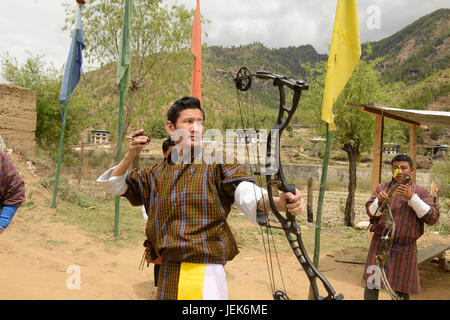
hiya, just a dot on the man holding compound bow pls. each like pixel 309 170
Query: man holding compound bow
pixel 188 198
pixel 411 206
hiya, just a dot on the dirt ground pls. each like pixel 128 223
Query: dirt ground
pixel 32 268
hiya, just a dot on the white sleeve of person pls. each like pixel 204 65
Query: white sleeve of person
pixel 116 185
pixel 373 208
pixel 420 207
pixel 246 197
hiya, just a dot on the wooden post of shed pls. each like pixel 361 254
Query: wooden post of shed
pixel 377 151
pixel 413 147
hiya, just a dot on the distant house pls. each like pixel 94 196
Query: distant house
pixel 100 136
pixel 247 136
pixel 437 152
pixel 391 148
pixel 297 128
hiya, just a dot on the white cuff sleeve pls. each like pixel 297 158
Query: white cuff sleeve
pixel 246 197
pixel 373 208
pixel 114 185
pixel 420 207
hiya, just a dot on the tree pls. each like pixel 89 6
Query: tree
pixel 354 129
pixel 45 81
pixel 159 36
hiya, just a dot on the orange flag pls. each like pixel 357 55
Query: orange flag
pixel 196 49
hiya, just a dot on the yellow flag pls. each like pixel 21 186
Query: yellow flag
pixel 345 51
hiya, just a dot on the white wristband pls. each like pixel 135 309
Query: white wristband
pixel 420 207
pixel 373 208
pixel 246 197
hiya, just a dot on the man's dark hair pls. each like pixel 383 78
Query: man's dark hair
pixel 166 144
pixel 182 104
pixel 402 157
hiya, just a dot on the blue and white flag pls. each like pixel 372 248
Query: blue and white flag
pixel 77 62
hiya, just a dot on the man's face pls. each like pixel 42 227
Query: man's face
pixel 403 167
pixel 189 125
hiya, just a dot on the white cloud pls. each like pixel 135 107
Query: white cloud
pixel 35 25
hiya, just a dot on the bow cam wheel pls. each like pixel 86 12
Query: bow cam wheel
pixel 243 79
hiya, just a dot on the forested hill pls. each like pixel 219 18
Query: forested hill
pixel 416 51
pixel 255 56
pixel 413 64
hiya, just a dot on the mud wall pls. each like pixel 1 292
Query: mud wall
pixel 18 118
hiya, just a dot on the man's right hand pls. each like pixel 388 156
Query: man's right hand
pixel 138 142
pixel 382 196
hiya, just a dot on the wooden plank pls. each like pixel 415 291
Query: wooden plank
pixel 413 148
pixel 386 114
pixel 377 152
pixel 432 251
pixel 442 262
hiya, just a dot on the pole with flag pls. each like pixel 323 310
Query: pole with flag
pixel 345 51
pixel 123 78
pixel 196 50
pixel 72 73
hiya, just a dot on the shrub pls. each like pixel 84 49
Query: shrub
pixel 66 191
pixel 440 172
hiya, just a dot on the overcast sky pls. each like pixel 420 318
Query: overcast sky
pixel 35 25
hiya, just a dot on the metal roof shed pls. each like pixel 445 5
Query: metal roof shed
pixel 415 118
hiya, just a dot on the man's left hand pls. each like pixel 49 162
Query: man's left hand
pixel 294 204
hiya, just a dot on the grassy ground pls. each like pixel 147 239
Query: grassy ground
pixel 93 211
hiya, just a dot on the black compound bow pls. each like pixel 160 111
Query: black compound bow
pixel 275 177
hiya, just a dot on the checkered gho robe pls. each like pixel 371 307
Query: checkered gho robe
pixel 187 205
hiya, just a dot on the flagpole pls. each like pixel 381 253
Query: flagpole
pixel 119 154
pixel 119 140
pixel 66 105
pixel 323 181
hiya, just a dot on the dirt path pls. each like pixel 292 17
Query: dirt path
pixel 35 254
pixel 32 268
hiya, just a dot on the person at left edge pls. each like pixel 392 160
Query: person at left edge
pixel 12 190
pixel 188 203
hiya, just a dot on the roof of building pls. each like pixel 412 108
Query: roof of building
pixel 416 117
pixel 99 130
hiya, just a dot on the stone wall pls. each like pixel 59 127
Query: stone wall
pixel 18 118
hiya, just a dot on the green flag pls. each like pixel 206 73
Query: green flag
pixel 123 65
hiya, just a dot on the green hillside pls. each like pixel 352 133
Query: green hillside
pixel 416 51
